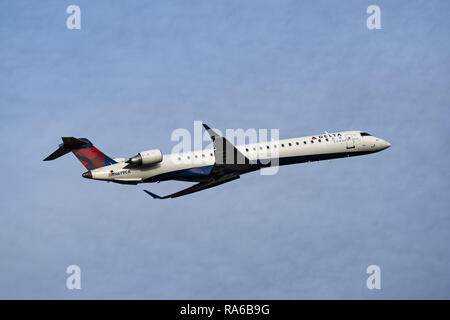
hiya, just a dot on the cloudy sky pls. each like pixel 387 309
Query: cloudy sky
pixel 137 70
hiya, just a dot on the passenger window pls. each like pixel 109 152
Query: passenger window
pixel 304 142
pixel 282 145
pixel 297 143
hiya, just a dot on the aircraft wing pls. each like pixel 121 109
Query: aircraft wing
pixel 229 164
pixel 228 158
pixel 196 187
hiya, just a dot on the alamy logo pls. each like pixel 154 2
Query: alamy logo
pixel 258 144
pixel 374 280
pixel 74 280
pixel 374 20
pixel 74 20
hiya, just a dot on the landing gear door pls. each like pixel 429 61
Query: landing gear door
pixel 349 141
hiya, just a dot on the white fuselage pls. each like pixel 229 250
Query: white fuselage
pixel 192 166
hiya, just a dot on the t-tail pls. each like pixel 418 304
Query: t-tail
pixel 84 150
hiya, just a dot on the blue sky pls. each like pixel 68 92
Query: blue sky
pixel 139 69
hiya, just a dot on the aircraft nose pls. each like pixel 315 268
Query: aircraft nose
pixel 87 175
pixel 385 144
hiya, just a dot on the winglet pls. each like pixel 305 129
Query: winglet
pixel 154 196
pixel 211 132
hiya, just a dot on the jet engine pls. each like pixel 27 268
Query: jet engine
pixel 146 158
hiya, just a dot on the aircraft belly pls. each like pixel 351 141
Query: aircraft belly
pixel 189 174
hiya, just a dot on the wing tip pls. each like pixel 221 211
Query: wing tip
pixel 154 196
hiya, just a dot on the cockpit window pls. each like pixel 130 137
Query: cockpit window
pixel 363 134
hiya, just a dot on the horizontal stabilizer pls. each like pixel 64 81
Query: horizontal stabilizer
pixel 69 144
pixel 58 153
pixel 90 157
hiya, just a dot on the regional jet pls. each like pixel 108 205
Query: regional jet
pixel 213 167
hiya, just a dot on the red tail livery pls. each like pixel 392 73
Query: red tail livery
pixel 84 150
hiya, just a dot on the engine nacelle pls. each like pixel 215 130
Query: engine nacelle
pixel 146 158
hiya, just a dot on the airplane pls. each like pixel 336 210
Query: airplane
pixel 213 167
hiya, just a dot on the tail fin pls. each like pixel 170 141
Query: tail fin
pixel 84 150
